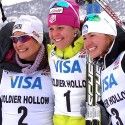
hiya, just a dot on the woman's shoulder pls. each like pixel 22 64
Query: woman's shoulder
pixel 118 47
pixel 7 53
pixel 5 40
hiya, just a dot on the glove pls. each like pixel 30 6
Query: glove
pixel 83 109
pixel 105 117
pixel 90 111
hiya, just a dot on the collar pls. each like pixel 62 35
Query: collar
pixel 69 51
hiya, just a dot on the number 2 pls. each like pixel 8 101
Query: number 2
pixel 24 110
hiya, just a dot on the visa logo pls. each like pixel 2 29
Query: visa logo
pixel 108 82
pixel 67 66
pixel 26 82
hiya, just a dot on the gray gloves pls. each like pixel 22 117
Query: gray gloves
pixel 95 112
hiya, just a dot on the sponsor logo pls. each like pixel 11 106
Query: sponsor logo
pixel 108 82
pixel 67 66
pixel 52 18
pixel 35 34
pixel 18 26
pixel 26 82
pixel 85 29
pixel 116 63
pixel 56 10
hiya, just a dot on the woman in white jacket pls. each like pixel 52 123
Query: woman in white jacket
pixel 99 33
pixel 26 91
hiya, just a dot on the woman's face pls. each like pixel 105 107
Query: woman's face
pixel 97 44
pixel 61 35
pixel 26 47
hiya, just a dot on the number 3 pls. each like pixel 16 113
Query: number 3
pixel 24 110
pixel 116 113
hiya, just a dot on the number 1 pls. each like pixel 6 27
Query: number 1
pixel 67 94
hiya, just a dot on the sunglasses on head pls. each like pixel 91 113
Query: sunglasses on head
pixel 63 3
pixel 22 38
pixel 92 17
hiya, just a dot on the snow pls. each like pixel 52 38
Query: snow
pixel 11 2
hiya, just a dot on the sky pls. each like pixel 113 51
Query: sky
pixel 10 2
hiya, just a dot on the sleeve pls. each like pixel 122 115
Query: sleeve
pixel 5 41
pixel 105 117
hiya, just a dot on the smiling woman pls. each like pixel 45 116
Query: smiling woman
pixel 67 62
pixel 104 44
pixel 28 91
